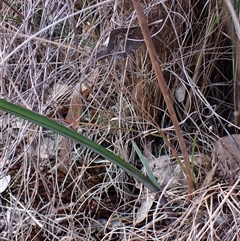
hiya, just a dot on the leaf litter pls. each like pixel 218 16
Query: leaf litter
pixel 100 194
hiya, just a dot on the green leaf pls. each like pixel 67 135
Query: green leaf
pixel 64 131
pixel 145 163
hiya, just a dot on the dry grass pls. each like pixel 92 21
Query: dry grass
pixel 49 56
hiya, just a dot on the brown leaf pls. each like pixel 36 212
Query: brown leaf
pixel 72 118
pixel 227 155
pixel 122 41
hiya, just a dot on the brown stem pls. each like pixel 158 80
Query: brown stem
pixel 163 86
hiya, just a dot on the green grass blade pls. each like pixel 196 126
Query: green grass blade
pixel 194 146
pixel 64 131
pixel 144 162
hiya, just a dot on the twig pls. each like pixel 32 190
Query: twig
pixel 163 86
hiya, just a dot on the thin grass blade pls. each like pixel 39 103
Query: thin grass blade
pixel 145 163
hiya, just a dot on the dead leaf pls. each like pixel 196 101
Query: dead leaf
pixel 210 175
pixel 180 93
pixel 145 207
pixel 122 41
pixel 4 182
pixel 227 155
pixel 86 90
pixel 167 172
pixel 72 118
